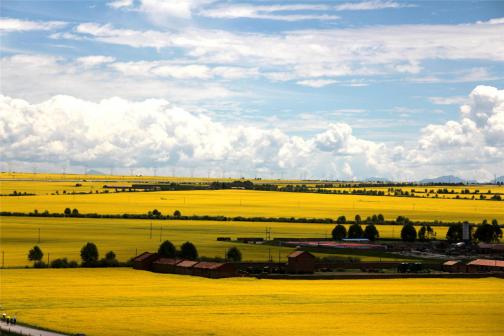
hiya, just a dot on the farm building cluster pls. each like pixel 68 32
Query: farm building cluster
pixel 299 262
pixel 306 264
pixel 475 266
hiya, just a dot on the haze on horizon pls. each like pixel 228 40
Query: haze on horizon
pixel 322 90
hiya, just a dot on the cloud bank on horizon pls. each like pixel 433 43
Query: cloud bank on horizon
pixel 295 89
pixel 116 132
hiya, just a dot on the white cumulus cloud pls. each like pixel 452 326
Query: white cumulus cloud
pixel 116 132
pixel 17 25
pixel 119 133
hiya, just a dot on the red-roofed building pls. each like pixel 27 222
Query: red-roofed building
pixel 144 261
pixel 165 265
pixel 185 267
pixel 485 265
pixel 301 262
pixel 491 248
pixel 454 266
pixel 214 269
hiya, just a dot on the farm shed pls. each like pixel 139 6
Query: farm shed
pixel 454 266
pixel 301 262
pixel 250 240
pixel 214 270
pixel 185 267
pixel 485 265
pixel 165 265
pixel 144 261
pixel 491 248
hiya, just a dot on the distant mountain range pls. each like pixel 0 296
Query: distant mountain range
pixel 446 179
pixel 94 172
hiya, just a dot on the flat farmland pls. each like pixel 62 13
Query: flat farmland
pixel 431 191
pixel 114 302
pixel 52 177
pixel 261 203
pixel 64 237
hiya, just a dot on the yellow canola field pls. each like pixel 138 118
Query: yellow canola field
pixel 64 237
pixel 113 302
pixel 261 203
pixel 430 191
pixel 53 187
pixel 16 176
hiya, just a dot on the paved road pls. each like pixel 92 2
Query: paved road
pixel 22 330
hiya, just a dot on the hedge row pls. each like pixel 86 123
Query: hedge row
pixel 211 218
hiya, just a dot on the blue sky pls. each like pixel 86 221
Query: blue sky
pixel 329 89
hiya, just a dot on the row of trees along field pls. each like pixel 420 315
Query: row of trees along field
pixel 485 232
pixel 177 215
pixel 90 256
pixel 189 251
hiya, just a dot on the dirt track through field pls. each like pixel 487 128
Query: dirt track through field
pixel 22 330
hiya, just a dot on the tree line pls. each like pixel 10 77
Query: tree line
pixel 177 215
pixel 189 251
pixel 89 258
pixel 485 232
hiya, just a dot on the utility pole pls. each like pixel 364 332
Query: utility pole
pixel 267 233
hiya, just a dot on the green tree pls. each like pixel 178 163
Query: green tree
pixel 497 229
pixel 188 251
pixel 358 219
pixel 355 231
pixel 89 254
pixel 454 233
pixel 422 233
pixel 110 260
pixel 67 212
pixel 408 232
pixel 381 219
pixel 371 232
pixel 339 232
pixel 488 233
pixel 177 213
pixel 426 233
pixel 75 213
pixel 35 254
pixel 59 263
pixel 234 254
pixel 167 249
pixel 110 255
pixel 341 220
